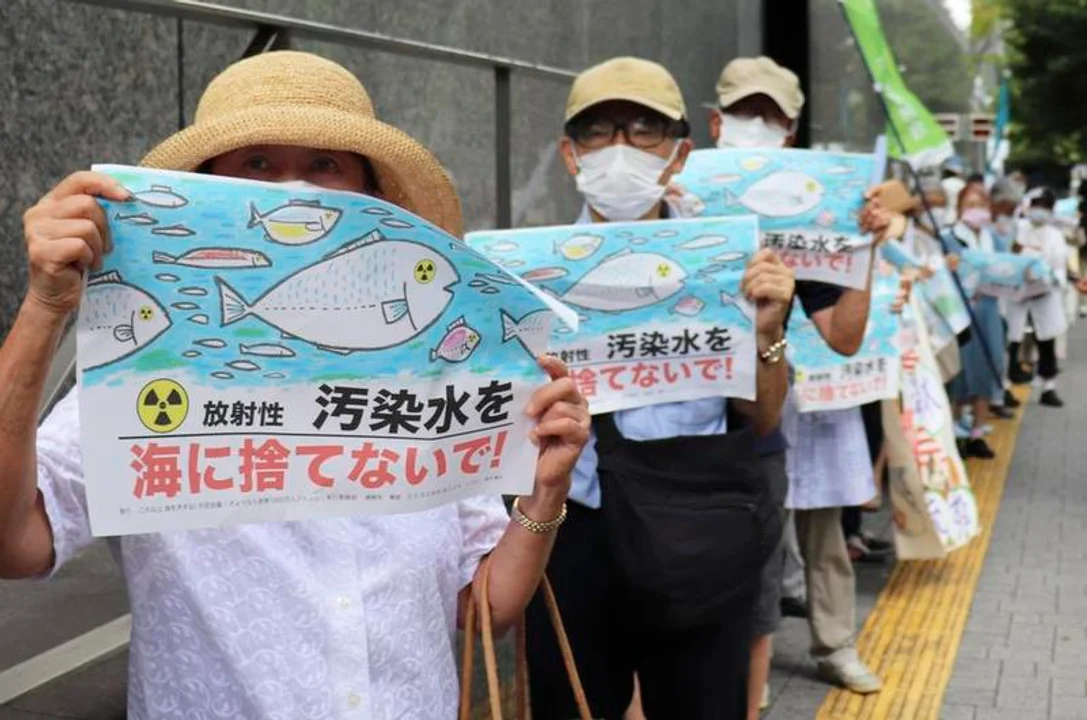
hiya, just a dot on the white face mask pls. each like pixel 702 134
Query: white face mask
pixel 1004 226
pixel 1039 215
pixel 939 214
pixel 622 182
pixel 741 132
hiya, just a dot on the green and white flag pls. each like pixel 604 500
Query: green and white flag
pixel 919 139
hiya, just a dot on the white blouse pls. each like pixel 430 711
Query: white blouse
pixel 343 618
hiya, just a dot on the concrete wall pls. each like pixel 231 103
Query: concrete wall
pixel 80 85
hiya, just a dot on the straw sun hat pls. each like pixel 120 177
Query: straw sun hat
pixel 299 99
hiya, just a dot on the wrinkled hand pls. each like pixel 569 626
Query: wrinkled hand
pixel 770 284
pixel 874 218
pixel 66 235
pixel 905 286
pixel 562 429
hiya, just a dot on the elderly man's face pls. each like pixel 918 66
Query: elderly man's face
pixel 330 169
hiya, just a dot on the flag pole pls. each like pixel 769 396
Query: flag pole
pixel 944 245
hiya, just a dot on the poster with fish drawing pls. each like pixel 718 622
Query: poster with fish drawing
pixel 825 380
pixel 941 305
pixel 807 201
pixel 1004 275
pixel 661 315
pixel 284 352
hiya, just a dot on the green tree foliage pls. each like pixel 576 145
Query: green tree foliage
pixel 1047 57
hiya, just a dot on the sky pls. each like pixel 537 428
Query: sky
pixel 960 12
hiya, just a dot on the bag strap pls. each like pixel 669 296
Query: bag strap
pixel 524 708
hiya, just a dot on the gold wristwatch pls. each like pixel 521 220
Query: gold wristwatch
pixel 775 353
pixel 540 528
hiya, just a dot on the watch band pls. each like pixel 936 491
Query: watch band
pixel 775 353
pixel 540 528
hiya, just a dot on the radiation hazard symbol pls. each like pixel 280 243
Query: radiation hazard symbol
pixel 162 406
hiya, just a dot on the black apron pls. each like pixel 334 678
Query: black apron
pixel 691 522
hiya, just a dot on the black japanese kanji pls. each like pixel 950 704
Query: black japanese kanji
pixel 447 410
pixel 347 403
pixel 396 411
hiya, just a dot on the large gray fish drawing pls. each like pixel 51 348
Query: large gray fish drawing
pixel 162 196
pixel 782 194
pixel 530 330
pixel 371 293
pixel 627 280
pixel 297 223
pixel 117 319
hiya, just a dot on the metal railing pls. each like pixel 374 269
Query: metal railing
pixel 272 32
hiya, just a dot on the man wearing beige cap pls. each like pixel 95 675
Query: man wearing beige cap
pixel 655 571
pixel 758 106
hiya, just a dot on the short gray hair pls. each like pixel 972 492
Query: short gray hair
pixel 932 186
pixel 1007 190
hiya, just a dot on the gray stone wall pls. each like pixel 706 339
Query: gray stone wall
pixel 80 85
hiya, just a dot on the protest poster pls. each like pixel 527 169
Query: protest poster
pixel 256 352
pixel 934 509
pixel 661 314
pixel 825 380
pixel 941 305
pixel 1004 275
pixel 808 203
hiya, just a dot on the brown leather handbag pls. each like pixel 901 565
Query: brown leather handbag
pixel 490 661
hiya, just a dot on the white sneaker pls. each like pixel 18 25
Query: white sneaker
pixel 765 702
pixel 845 668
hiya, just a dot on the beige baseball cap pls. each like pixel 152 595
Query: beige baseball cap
pixel 744 77
pixel 631 79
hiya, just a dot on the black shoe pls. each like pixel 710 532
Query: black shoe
pixel 876 545
pixel 793 607
pixel 1010 401
pixel 1019 376
pixel 977 447
pixel 1001 412
pixel 1051 399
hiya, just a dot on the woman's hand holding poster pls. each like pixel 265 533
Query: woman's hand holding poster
pixel 255 352
pixel 661 314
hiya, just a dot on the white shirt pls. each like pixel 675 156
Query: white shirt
pixel 343 618
pixel 1048 243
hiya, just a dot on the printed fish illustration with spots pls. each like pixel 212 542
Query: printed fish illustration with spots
pixel 627 280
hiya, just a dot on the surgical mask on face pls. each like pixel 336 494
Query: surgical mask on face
pixel 622 182
pixel 1004 226
pixel 742 132
pixel 301 185
pixel 939 216
pixel 1039 215
pixel 977 217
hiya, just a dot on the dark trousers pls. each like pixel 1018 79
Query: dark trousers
pixel 1047 358
pixel 696 674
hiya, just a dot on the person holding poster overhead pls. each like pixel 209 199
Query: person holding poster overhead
pixel 1045 310
pixel 758 105
pixel 351 617
pixel 678 616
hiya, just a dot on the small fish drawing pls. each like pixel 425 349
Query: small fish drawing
pixel 497 278
pixel 511 263
pixel 199 319
pixel 118 319
pixel 219 258
pixel 543 274
pixel 194 291
pixel 459 343
pixel 578 247
pixel 627 280
pixel 711 269
pixel 395 223
pixel 745 307
pixel 243 365
pixel 638 241
pixel 754 163
pixel 531 330
pixel 136 219
pixel 191 353
pixel 162 196
pixel 703 241
pixel 477 283
pixel 167 277
pixel 783 194
pixel 839 170
pixel 502 246
pixel 266 350
pixel 274 375
pixel 185 306
pixel 173 231
pixel 665 233
pixel 826 218
pixel 211 343
pixel 727 257
pixel 370 294
pixel 490 291
pixel 222 375
pixel 299 222
pixel 376 211
pixel 726 179
pixel 689 306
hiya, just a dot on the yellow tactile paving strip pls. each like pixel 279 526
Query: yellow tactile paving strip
pixel 912 636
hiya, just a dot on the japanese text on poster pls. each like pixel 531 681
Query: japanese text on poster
pixel 662 318
pixel 255 352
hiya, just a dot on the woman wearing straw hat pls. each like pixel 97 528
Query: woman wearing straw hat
pixel 338 618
